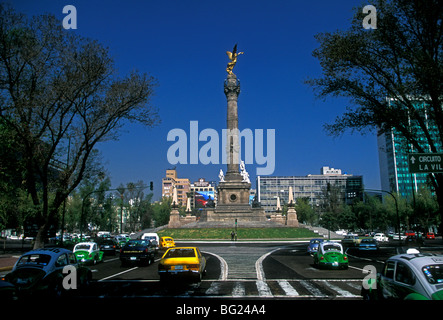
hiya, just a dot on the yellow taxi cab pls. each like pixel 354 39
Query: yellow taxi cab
pixel 182 262
pixel 166 242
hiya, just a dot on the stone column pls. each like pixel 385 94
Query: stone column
pixel 174 217
pixel 291 219
pixel 232 90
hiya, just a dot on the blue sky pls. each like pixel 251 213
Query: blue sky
pixel 183 43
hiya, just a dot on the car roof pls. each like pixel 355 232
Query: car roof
pixel 182 248
pixel 418 260
pixel 90 243
pixel 54 251
pixel 325 243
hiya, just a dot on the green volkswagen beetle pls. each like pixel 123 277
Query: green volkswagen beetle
pixel 88 252
pixel 331 255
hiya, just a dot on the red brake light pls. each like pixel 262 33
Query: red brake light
pixel 345 258
pixel 322 258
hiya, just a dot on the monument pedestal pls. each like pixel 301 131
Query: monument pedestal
pixel 292 220
pixel 174 219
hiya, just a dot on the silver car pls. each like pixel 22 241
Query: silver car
pixel 410 276
pixel 313 245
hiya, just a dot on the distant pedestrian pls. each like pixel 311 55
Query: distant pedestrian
pixel 232 235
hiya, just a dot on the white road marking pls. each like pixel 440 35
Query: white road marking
pixel 341 292
pixel 239 290
pixel 316 292
pixel 259 265
pixel 117 274
pixel 213 289
pixel 287 288
pixel 223 266
pixel 263 289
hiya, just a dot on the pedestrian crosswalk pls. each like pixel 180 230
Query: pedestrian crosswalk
pixel 348 289
pixel 313 288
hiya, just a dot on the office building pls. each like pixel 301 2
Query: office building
pixel 183 186
pixel 311 186
pixel 393 160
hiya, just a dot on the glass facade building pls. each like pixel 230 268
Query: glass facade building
pixel 310 186
pixel 393 152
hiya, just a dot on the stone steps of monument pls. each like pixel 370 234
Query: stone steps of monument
pixel 240 224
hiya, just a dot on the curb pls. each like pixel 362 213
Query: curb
pixel 6 268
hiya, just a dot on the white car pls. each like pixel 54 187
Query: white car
pixel 395 236
pixel 151 237
pixel 381 237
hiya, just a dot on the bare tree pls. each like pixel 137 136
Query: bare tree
pixel 59 89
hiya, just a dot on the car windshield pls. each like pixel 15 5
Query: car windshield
pixel 82 247
pixel 316 241
pixel 137 243
pixel 34 259
pixel 331 247
pixel 433 273
pixel 168 239
pixel 367 241
pixel 180 253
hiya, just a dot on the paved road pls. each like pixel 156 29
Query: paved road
pixel 243 270
pixel 239 270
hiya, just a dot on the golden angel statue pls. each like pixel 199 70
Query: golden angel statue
pixel 233 57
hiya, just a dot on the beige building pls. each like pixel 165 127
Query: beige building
pixel 183 186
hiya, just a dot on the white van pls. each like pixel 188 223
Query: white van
pixel 151 237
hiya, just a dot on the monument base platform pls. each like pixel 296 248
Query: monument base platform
pixel 231 213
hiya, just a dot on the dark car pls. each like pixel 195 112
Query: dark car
pixel 43 271
pixel 137 250
pixel 367 245
pixel 108 246
pixel 412 241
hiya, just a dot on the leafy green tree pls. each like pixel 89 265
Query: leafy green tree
pixel 162 211
pixel 388 74
pixel 305 212
pixel 60 92
pixel 331 206
pixel 97 205
pixel 147 211
pixel 425 209
pixel 347 219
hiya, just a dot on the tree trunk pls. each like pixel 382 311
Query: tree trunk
pixel 41 236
